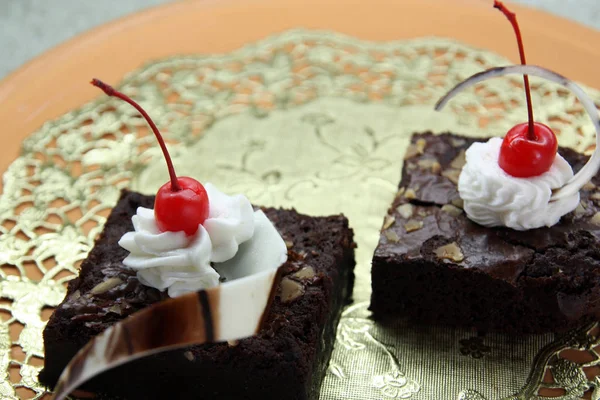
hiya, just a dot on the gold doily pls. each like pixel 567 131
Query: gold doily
pixel 313 120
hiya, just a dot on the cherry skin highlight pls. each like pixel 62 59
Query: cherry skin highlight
pixel 528 149
pixel 182 203
pixel 523 157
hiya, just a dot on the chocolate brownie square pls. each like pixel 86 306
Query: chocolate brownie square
pixel 434 265
pixel 287 359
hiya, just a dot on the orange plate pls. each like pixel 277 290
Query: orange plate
pixel 56 82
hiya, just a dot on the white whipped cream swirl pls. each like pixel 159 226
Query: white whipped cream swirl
pixel 494 198
pixel 181 264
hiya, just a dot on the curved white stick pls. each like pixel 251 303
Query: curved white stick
pixel 590 169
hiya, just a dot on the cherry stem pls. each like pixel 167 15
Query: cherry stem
pixel 109 90
pixel 512 17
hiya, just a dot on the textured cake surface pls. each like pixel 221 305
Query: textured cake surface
pixel 436 266
pixel 287 359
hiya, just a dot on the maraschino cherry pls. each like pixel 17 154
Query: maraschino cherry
pixel 182 203
pixel 529 148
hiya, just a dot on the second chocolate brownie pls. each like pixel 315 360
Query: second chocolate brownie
pixel 434 265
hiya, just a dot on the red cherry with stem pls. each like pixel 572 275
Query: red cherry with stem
pixel 182 203
pixel 181 210
pixel 528 149
pixel 523 158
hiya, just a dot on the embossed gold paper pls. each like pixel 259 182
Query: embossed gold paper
pixel 311 120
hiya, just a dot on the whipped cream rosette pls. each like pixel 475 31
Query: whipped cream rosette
pixel 181 263
pixel 493 197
